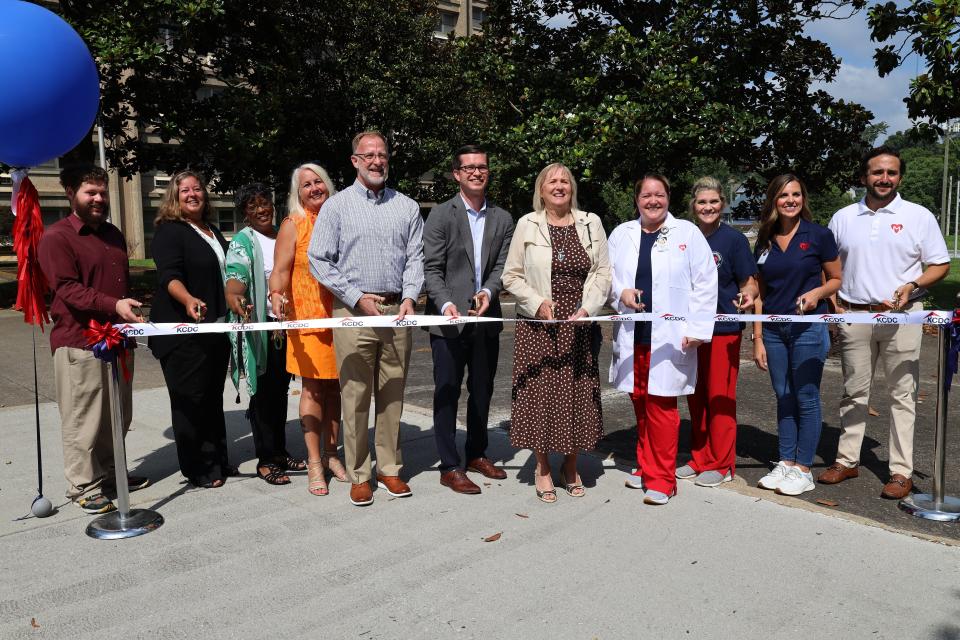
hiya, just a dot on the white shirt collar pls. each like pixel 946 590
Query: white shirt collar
pixel 893 207
pixel 466 205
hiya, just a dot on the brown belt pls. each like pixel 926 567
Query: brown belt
pixel 388 298
pixel 855 306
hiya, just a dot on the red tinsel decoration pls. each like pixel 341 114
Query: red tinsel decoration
pixel 32 285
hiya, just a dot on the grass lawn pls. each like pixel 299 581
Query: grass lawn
pixel 943 295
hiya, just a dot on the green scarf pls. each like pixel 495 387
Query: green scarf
pixel 244 262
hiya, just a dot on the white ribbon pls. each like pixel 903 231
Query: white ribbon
pixel 17 175
pixel 935 318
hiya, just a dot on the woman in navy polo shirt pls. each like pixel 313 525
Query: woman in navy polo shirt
pixel 713 406
pixel 799 270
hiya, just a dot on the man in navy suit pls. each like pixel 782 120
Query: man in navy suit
pixel 465 243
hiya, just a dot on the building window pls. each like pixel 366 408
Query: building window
pixel 226 221
pixel 52 214
pixel 448 23
pixel 478 18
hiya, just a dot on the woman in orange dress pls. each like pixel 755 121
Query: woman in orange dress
pixel 296 294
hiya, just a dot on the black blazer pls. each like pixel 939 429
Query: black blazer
pixel 448 263
pixel 181 254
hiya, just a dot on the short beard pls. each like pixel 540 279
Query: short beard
pixel 372 179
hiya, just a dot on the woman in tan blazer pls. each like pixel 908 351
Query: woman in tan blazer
pixel 558 271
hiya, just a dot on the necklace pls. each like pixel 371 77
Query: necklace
pixel 560 253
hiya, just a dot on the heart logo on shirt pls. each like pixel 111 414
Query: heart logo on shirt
pixel 683 247
pixel 897 228
pixel 804 246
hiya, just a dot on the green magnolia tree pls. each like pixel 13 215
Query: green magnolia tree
pixel 929 29
pixel 247 90
pixel 614 88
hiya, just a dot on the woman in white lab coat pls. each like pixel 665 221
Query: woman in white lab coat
pixel 665 266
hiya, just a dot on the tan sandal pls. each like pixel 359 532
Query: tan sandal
pixel 337 470
pixel 316 480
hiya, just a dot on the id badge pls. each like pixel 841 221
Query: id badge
pixel 763 257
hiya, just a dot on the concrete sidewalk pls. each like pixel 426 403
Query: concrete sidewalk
pixel 251 560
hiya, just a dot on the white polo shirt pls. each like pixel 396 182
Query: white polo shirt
pixel 881 250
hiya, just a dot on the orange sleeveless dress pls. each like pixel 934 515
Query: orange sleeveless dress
pixel 309 351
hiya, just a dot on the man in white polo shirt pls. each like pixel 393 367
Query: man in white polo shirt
pixel 892 251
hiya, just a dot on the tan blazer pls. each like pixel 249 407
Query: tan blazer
pixel 526 274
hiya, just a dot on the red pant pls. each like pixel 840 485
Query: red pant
pixel 658 428
pixel 713 406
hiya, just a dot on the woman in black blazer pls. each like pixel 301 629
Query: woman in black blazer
pixel 189 253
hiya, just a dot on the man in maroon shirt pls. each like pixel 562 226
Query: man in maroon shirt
pixel 84 258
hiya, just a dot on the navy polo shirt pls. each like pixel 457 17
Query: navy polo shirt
pixel 644 282
pixel 735 263
pixel 789 274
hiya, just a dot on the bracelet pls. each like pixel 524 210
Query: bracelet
pixel 915 285
pixel 279 293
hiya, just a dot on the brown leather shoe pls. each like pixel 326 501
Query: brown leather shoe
pixel 361 494
pixel 458 481
pixel 898 487
pixel 838 472
pixel 484 466
pixel 394 486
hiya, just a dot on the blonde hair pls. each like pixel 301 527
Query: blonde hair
pixel 706 183
pixel 294 206
pixel 542 177
pixel 169 210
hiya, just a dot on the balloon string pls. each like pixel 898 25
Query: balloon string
pixel 36 408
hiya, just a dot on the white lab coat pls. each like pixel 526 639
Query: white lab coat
pixel 684 277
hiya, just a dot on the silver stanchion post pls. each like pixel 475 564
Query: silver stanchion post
pixel 122 523
pixel 937 506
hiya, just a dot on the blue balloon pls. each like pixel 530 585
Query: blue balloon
pixel 49 86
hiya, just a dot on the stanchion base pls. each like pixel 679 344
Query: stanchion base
pixel 111 526
pixel 922 505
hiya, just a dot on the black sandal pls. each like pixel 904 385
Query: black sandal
pixel 275 474
pixel 295 464
pixel 210 484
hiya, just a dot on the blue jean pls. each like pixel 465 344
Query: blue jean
pixel 795 355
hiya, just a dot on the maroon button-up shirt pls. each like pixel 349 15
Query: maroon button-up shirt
pixel 88 271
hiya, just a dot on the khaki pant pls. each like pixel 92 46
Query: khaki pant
pixel 899 347
pixel 371 362
pixel 84 400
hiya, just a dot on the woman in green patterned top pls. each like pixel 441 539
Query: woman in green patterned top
pixel 256 355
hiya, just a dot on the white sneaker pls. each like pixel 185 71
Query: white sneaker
pixel 634 481
pixel 796 482
pixel 773 479
pixel 686 472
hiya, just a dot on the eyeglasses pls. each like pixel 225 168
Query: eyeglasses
pixel 473 168
pixel 369 157
pixel 255 209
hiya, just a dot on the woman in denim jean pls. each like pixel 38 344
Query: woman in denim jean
pixel 799 270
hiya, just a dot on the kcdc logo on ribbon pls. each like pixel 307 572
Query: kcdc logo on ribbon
pixel 130 330
pixel 882 318
pixel 934 318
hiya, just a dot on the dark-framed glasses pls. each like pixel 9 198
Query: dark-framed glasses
pixel 474 168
